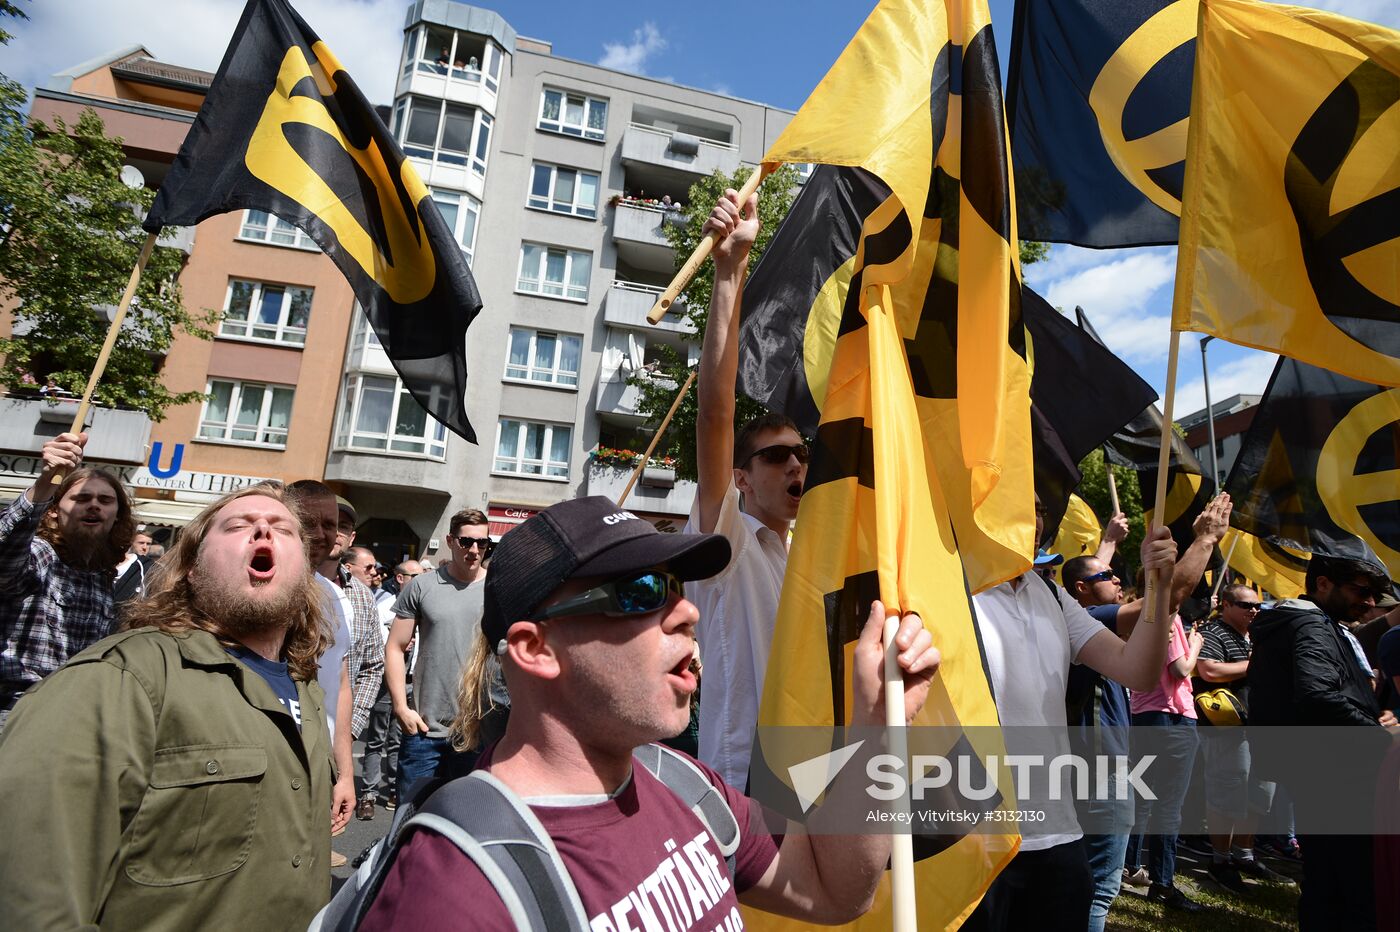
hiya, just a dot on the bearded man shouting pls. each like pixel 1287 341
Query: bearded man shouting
pixel 60 543
pixel 177 775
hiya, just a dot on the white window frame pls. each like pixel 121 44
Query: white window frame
pixel 417 57
pixel 562 126
pixel 540 285
pixel 351 437
pixel 467 206
pixel 250 232
pixel 554 376
pixel 284 334
pixel 478 144
pixel 551 204
pixel 264 433
pixel 515 466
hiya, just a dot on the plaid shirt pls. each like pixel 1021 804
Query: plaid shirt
pixel 366 653
pixel 50 611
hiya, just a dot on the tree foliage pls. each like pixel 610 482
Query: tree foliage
pixel 1093 488
pixel 778 193
pixel 70 233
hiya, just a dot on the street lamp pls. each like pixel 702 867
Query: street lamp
pixel 1210 417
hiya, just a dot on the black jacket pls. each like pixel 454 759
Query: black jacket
pixel 1304 672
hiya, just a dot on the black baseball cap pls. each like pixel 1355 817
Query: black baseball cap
pixel 585 537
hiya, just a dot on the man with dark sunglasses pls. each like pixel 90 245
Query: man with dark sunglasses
pixel 586 613
pixel 443 608
pixel 748 490
pixel 1305 671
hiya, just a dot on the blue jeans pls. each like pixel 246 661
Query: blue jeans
pixel 422 758
pixel 1106 852
pixel 1169 777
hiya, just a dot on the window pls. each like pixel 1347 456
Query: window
pixel 378 413
pixel 244 412
pixel 259 311
pixel 529 448
pixel 540 356
pixel 445 132
pixel 458 55
pixel 573 114
pixel 265 228
pixel 554 271
pixel 461 212
pixel 564 190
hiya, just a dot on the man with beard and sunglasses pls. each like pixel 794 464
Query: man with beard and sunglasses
pixel 586 613
pixel 443 608
pixel 177 775
pixel 60 544
pixel 766 464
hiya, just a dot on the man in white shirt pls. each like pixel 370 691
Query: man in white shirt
pixel 1031 632
pixel 766 464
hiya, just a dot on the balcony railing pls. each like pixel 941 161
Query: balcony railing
pixel 674 499
pixel 682 151
pixel 628 304
pixel 28 421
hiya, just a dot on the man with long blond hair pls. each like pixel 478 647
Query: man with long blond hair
pixel 177 775
pixel 60 543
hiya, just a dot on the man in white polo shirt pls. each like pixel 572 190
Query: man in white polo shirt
pixel 767 464
pixel 1031 632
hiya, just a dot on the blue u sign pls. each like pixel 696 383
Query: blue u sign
pixel 175 459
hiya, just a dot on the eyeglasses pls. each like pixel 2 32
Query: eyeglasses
pixel 1365 592
pixel 1105 576
pixel 1247 606
pixel 778 453
pixel 634 594
pixel 485 543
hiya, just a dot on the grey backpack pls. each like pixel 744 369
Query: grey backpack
pixel 498 832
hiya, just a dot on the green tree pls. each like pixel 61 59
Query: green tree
pixel 70 232
pixel 1093 488
pixel 778 192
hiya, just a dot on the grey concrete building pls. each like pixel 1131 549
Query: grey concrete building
pixel 553 173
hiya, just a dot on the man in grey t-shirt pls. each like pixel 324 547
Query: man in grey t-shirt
pixel 444 607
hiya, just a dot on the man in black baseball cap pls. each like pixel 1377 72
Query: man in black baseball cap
pixel 585 610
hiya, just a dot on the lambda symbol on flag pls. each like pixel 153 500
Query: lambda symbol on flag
pixel 1347 493
pixel 296 122
pixel 1347 226
pixel 1131 64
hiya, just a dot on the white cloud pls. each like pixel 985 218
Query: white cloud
pixel 366 35
pixel 1380 12
pixel 1116 287
pixel 632 56
pixel 1247 374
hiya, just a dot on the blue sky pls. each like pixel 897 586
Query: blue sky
pixel 770 52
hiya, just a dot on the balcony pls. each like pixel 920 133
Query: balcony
pixel 618 400
pixel 609 481
pixel 389 471
pixel 687 154
pixel 439 81
pixel 628 304
pixel 641 239
pixel 28 422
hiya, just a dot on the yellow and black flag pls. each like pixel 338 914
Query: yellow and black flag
pixel 284 129
pixel 914 359
pixel 1099 93
pixel 1290 235
pixel 1321 463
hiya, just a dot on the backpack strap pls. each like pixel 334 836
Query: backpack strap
pixel 695 790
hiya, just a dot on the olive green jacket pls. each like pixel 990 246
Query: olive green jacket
pixel 155 782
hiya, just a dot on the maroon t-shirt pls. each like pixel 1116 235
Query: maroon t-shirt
pixel 641 860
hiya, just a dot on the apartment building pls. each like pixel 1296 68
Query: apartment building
pixel 552 175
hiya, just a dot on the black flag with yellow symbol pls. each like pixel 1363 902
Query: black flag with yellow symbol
pixel 1290 235
pixel 914 359
pixel 1321 463
pixel 284 129
pixel 1100 93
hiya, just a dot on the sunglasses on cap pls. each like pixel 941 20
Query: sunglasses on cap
pixel 778 454
pixel 634 594
pixel 1105 576
pixel 485 543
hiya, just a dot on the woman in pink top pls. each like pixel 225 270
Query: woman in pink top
pixel 1171 708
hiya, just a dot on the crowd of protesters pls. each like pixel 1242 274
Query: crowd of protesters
pixel 176 734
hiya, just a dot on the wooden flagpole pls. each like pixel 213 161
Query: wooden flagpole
pixel 1157 587
pixel 1112 485
pixel 656 438
pixel 1224 570
pixel 112 332
pixel 698 257
pixel 903 907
